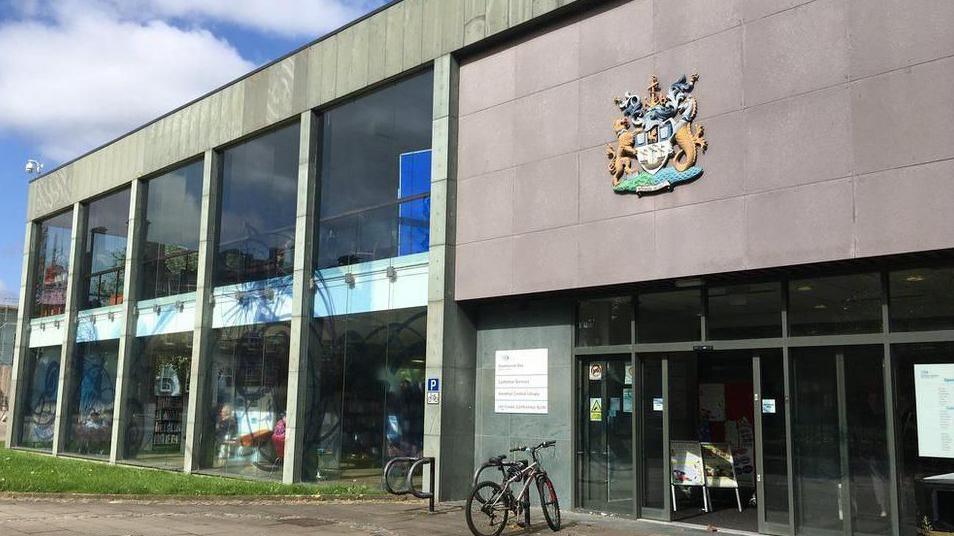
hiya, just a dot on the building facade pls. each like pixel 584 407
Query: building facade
pixel 702 246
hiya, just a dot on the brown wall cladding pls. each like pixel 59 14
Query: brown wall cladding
pixel 829 137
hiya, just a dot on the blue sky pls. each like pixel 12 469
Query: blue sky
pixel 75 74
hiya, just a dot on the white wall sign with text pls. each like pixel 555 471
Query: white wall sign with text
pixel 934 394
pixel 520 382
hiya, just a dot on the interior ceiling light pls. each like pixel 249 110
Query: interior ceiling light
pixel 914 278
pixel 804 288
pixel 821 306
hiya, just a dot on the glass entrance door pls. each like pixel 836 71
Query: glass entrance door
pixel 839 442
pixel 606 409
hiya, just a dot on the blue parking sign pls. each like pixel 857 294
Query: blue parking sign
pixel 433 385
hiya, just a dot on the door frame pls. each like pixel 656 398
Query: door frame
pixel 766 527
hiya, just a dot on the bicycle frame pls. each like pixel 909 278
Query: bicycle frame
pixel 528 475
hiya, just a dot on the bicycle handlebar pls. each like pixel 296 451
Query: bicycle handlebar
pixel 545 444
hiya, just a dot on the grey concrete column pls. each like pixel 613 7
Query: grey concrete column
pixel 302 297
pixel 21 348
pixel 208 233
pixel 451 336
pixel 73 286
pixel 128 338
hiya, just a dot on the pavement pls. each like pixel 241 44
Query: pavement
pixel 49 516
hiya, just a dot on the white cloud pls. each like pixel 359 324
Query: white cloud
pixel 295 18
pixel 80 77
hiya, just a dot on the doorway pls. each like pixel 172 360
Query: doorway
pixel 712 430
pixel 839 440
pixel 606 409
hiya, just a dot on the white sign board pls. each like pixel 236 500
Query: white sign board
pixel 520 382
pixel 934 395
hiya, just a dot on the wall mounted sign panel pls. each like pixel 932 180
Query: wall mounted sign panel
pixel 934 395
pixel 520 381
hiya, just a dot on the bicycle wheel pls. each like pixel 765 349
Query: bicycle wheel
pixel 484 518
pixel 549 502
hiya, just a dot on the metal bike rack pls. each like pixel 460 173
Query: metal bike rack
pixel 409 489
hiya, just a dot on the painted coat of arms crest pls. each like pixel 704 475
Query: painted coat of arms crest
pixel 653 134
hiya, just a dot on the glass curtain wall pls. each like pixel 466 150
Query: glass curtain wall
pixel 92 390
pixel 366 394
pixel 248 393
pixel 38 410
pixel 105 253
pixel 376 175
pixel 171 233
pixel 157 400
pixel 52 265
pixel 257 212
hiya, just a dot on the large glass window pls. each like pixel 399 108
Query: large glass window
pixel 104 263
pixel 171 232
pixel 365 394
pixel 248 394
pixel 604 322
pixel 669 316
pixel 835 305
pixel 914 495
pixel 38 411
pixel 745 311
pixel 257 225
pixel 376 175
pixel 52 265
pixel 158 399
pixel 922 299
pixel 92 389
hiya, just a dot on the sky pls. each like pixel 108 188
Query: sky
pixel 75 74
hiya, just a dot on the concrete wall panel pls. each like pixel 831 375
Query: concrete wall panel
pixel 486 206
pixel 676 23
pixel 488 82
pixel 486 141
pixel 796 51
pixel 799 225
pixel 546 260
pixel 547 60
pixel 905 209
pixel 891 34
pixel 798 140
pixel 546 194
pixel 602 48
pixel 904 117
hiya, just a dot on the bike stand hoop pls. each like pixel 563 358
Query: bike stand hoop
pixel 409 489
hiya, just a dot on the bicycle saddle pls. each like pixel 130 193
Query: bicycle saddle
pixel 497 460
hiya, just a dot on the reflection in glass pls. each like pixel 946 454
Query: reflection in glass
pixel 774 453
pixel 171 233
pixel 922 299
pixel 365 393
pixel 912 468
pixel 158 399
pixel 376 174
pixel 92 390
pixel 745 311
pixel 104 262
pixel 835 305
pixel 52 265
pixel 655 481
pixel 604 322
pixel 248 395
pixel 815 440
pixel 867 440
pixel 606 437
pixel 669 316
pixel 38 411
pixel 257 225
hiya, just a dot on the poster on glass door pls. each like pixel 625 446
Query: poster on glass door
pixel 520 381
pixel 934 396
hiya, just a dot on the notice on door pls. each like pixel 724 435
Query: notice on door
pixel 520 381
pixel 934 395
pixel 596 409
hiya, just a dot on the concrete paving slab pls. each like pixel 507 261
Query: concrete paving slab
pixel 73 517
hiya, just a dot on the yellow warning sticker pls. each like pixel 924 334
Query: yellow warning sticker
pixel 596 409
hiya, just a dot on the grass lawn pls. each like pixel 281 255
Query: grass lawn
pixel 36 473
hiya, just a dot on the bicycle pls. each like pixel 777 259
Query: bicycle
pixel 490 504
